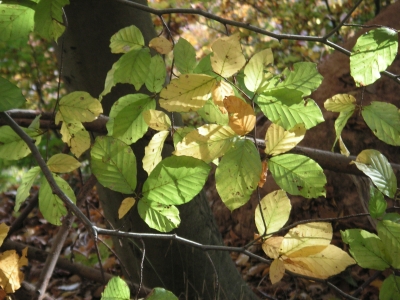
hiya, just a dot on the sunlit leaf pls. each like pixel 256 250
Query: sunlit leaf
pixel 211 113
pixel 384 121
pixel 156 119
pixel 159 216
pixel 161 294
pixel 10 95
pixel 340 102
pixel 377 203
pixel 114 164
pixel 340 123
pixel 11 276
pixel 241 115
pixel 372 54
pixel 49 18
pixel 152 154
pixel 75 135
pixel 126 39
pixel 157 73
pixel 180 133
pixel 62 163
pixel 278 141
pixel 298 175
pixel 207 142
pixel 116 289
pixel 390 288
pixel 221 90
pixel 187 93
pixel 125 206
pixel 276 271
pixel 255 74
pixel 275 209
pixel 161 45
pixel 272 246
pixel 3 232
pixel 227 57
pixel 389 233
pixel 343 148
pixel 12 147
pixel 238 173
pixel 285 95
pixel 24 188
pixel 376 166
pixel 184 56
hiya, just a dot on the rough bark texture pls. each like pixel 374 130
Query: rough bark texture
pixel 185 271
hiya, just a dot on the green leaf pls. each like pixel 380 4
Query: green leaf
pixel 10 95
pixel 204 67
pixel 384 121
pixel 114 164
pixel 24 188
pixel 180 133
pixel 306 112
pixel 116 289
pixel 394 217
pixel 62 163
pixel 304 78
pixel 372 54
pixel 238 174
pixel 212 114
pixel 109 83
pixel 176 180
pixel 390 288
pixel 49 18
pixel 12 147
pixel 127 39
pixel 187 93
pixel 50 205
pixel 287 96
pixel 184 56
pixel 377 204
pixel 255 75
pixel 161 294
pixel 373 164
pixel 159 216
pixel 126 121
pixel 389 233
pixel 152 152
pixel 16 22
pixel 133 67
pixel 156 78
pixel 298 175
pixel 35 125
pixel 366 248
pixel 275 209
pixel 340 123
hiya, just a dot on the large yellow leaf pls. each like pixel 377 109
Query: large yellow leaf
pixel 62 163
pixel 161 45
pixel 10 275
pixel 189 92
pixel 227 57
pixel 125 206
pixel 278 140
pixel 306 235
pixel 272 245
pixel 152 154
pixel 76 136
pixel 207 142
pixel 328 262
pixel 221 90
pixel 255 76
pixel 3 232
pixel 276 271
pixel 241 115
pixel 156 119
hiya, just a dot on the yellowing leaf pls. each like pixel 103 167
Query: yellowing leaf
pixel 278 140
pixel 221 90
pixel 10 275
pixel 241 115
pixel 263 174
pixel 126 39
pixel 207 142
pixel 276 271
pixel 161 45
pixel 343 148
pixel 125 206
pixel 340 102
pixel 255 77
pixel 62 163
pixel 3 232
pixel 152 154
pixel 328 262
pixel 272 245
pixel 156 119
pixel 76 136
pixel 227 57
pixel 306 235
pixel 189 92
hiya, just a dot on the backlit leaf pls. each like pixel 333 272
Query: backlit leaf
pixel 159 216
pixel 285 95
pixel 10 95
pixel 343 148
pixel 125 206
pixel 11 276
pixel 3 232
pixel 126 39
pixel 16 22
pixel 340 123
pixel 116 289
pixel 276 271
pixel 272 245
pixel 184 56
pixel 255 74
pixel 161 45
pixel 340 102
pixel 389 233
pixel 157 73
pixel 278 141
pixel 221 90
pixel 75 135
pixel 156 119
pixel 12 147
pixel 24 188
pixel 62 163
pixel 49 18
pixel 241 115
pixel 211 113
pixel 180 133
pixel 152 154
pixel 390 288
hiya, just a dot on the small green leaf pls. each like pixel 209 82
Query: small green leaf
pixel 10 95
pixel 275 209
pixel 24 188
pixel 161 217
pixel 35 125
pixel 184 56
pixel 377 204
pixel 298 175
pixel 49 18
pixel 372 54
pixel 285 95
pixel 176 180
pixel 50 205
pixel 156 78
pixel 109 83
pixel 116 289
pixel 133 67
pixel 161 294
pixel 373 164
pixel 255 75
pixel 367 249
pixel 204 67
pixel 238 174
pixel 127 39
pixel 384 121
pixel 62 163
pixel 212 114
pixel 114 164
pixel 12 147
pixel 389 233
pixel 390 288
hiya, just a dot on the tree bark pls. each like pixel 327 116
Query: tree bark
pixel 187 272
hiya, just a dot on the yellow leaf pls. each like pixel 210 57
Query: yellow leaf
pixel 62 163
pixel 340 102
pixel 10 275
pixel 125 206
pixel 306 235
pixel 328 262
pixel 276 271
pixel 156 119
pixel 343 148
pixel 3 232
pixel 255 76
pixel 152 154
pixel 221 90
pixel 278 140
pixel 207 142
pixel 76 136
pixel 272 245
pixel 241 115
pixel 161 45
pixel 227 57
pixel 189 92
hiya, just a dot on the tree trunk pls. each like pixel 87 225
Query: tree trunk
pixel 185 271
